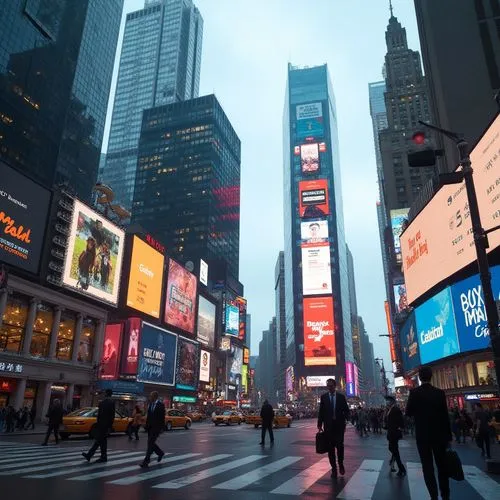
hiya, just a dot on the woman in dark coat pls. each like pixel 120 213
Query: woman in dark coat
pixel 395 425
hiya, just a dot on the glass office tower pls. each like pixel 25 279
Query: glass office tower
pixel 318 322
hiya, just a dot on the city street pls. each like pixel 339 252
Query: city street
pixel 215 462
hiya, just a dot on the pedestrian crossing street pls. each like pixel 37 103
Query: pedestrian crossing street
pixel 177 471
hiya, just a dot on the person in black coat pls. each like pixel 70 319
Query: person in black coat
pixel 155 424
pixel 395 424
pixel 267 415
pixel 427 404
pixel 55 416
pixel 333 415
pixel 104 424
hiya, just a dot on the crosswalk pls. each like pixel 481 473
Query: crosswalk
pixel 290 476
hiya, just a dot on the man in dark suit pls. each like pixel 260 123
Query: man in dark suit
pixel 104 424
pixel 155 423
pixel 55 416
pixel 333 414
pixel 267 415
pixel 427 405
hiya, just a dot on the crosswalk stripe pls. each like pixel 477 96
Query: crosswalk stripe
pixel 132 468
pixel 481 482
pixel 204 474
pixel 37 457
pixel 28 461
pixel 24 449
pixel 416 481
pixel 362 483
pixel 304 480
pixel 169 470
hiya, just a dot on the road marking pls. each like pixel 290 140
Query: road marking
pixel 204 474
pixel 168 470
pixel 481 482
pixel 303 481
pixel 38 457
pixel 257 474
pixel 416 481
pixel 362 484
pixel 27 461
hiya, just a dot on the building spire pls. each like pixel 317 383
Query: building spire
pixel 391 9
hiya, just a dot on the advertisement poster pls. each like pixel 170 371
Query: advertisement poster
pixel 131 342
pixel 314 232
pixel 145 282
pixel 24 206
pixel 111 351
pixel 187 364
pixel 289 379
pixel 309 120
pixel 309 158
pixel 437 333
pixel 94 255
pixel 206 322
pixel 242 307
pixel 203 272
pixel 236 363
pixel 180 302
pixel 349 379
pixel 316 269
pixel 244 378
pixel 399 218
pixel 319 332
pixel 204 366
pixel 356 380
pixel 317 380
pixel 157 356
pixel 400 298
pixel 313 199
pixel 246 355
pixel 232 320
pixel 408 339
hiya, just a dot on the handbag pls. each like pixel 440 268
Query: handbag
pixel 322 443
pixel 454 465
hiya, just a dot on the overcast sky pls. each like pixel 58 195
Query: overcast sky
pixel 247 45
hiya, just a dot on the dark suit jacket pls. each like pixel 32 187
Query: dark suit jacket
pixel 267 414
pixel 395 423
pixel 55 415
pixel 155 421
pixel 106 414
pixel 325 416
pixel 427 404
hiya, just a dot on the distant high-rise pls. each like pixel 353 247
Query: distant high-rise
pixel 160 64
pixel 249 331
pixel 279 296
pixel 56 64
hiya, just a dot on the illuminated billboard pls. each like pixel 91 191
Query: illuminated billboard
pixel 313 199
pixel 350 388
pixel 111 352
pixel 130 352
pixel 187 364
pixel 246 355
pixel 244 378
pixel 309 120
pixel 206 322
pixel 408 339
pixel 318 380
pixel 316 269
pixel 232 320
pixel 241 302
pixel 289 379
pixel 236 364
pixel 204 366
pixel 356 380
pixel 309 158
pixel 400 298
pixel 203 272
pixel 180 300
pixel 399 218
pixel 94 252
pixel 314 232
pixel 319 332
pixel 145 282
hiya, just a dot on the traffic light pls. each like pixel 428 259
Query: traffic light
pixel 422 153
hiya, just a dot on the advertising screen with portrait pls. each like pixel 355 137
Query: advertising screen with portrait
pixel 24 206
pixel 313 199
pixel 399 218
pixel 241 302
pixel 350 389
pixel 206 322
pixel 314 232
pixel 94 255
pixel 319 332
pixel 316 269
pixel 236 363
pixel 145 283
pixel 408 339
pixel 111 352
pixel 309 120
pixel 130 351
pixel 400 298
pixel 204 366
pixel 309 158
pixel 157 356
pixel 232 320
pixel 187 364
pixel 246 355
pixel 180 300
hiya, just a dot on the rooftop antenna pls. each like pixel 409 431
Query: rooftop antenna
pixel 391 8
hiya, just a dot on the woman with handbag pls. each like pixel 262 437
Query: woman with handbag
pixel 395 425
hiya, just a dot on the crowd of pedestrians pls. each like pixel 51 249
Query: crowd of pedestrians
pixel 20 420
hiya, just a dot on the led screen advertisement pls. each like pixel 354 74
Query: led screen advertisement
pixel 24 206
pixel 350 388
pixel 309 120
pixel 289 379
pixel 309 158
pixel 206 322
pixel 244 378
pixel 313 199
pixel 408 339
pixel 187 364
pixel 316 269
pixel 180 299
pixel 436 330
pixel 232 314
pixel 157 356
pixel 236 363
pixel 319 332
pixel 400 298
pixel 399 218
pixel 313 232
pixel 94 255
pixel 131 342
pixel 111 351
pixel 246 355
pixel 204 366
pixel 356 380
pixel 242 321
pixel 145 282
pixel 317 380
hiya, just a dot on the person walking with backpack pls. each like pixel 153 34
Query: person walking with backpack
pixel 55 416
pixel 267 415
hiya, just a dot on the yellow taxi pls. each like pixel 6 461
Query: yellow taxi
pixel 84 421
pixel 228 417
pixel 281 419
pixel 176 418
pixel 196 416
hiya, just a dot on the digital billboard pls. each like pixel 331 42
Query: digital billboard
pixel 204 366
pixel 309 120
pixel 289 379
pixel 203 272
pixel 187 364
pixel 398 219
pixel 180 300
pixel 437 333
pixel 313 232
pixel 356 380
pixel 319 332
pixel 206 322
pixel 236 364
pixel 131 342
pixel 111 352
pixel 246 355
pixel 400 298
pixel 232 320
pixel 309 158
pixel 94 255
pixel 145 282
pixel 313 199
pixel 244 378
pixel 24 206
pixel 157 356
pixel 242 322
pixel 316 269
pixel 317 380
pixel 350 388
pixel 408 339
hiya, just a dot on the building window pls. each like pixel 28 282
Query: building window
pixel 485 372
pixel 86 341
pixel 41 330
pixel 13 323
pixel 65 336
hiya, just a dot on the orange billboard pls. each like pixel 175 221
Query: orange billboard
pixel 319 332
pixel 313 199
pixel 145 278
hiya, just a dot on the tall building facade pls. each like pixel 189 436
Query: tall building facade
pixel 279 296
pixel 265 369
pixel 160 64
pixel 188 181
pixel 318 320
pixel 54 91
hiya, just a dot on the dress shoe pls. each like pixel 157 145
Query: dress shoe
pixel 86 456
pixel 101 460
pixel 144 465
pixel 160 457
pixel 341 469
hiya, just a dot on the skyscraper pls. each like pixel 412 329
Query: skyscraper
pixel 54 90
pixel 279 290
pixel 188 181
pixel 318 321
pixel 160 64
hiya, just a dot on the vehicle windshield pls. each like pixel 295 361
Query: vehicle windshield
pixel 227 413
pixel 84 412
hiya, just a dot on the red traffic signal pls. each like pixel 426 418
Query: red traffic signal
pixel 418 138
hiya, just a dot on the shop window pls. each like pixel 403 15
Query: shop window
pixel 14 323
pixel 485 372
pixel 42 327
pixel 470 374
pixel 86 344
pixel 65 336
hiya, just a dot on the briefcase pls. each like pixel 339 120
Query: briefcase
pixel 454 465
pixel 322 443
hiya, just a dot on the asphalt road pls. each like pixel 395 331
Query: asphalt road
pixel 220 462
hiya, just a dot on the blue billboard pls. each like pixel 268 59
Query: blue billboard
pixel 157 356
pixel 309 120
pixel 437 332
pixel 232 320
pixel 408 339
